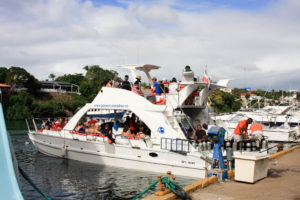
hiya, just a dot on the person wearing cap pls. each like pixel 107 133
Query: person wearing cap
pixel 187 69
pixel 138 83
pixel 126 84
pixel 240 132
pixel 155 88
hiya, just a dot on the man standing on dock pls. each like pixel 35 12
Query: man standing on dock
pixel 240 132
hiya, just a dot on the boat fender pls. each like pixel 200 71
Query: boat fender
pixel 63 151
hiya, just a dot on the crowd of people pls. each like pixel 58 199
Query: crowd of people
pixel 134 128
pixel 159 87
pixel 56 123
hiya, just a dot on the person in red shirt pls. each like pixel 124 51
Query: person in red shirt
pixel 256 133
pixel 92 121
pixel 240 132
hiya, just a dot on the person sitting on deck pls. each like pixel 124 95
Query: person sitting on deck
pixel 92 121
pixel 65 122
pixel 126 84
pixel 200 134
pixel 59 124
pixel 43 126
pixel 240 132
pixel 126 131
pixel 80 128
pixel 108 133
pixel 141 133
pixel 132 124
pixel 91 129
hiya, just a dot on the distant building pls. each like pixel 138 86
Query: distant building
pixel 228 90
pixel 59 87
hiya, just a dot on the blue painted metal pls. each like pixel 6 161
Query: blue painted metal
pixel 9 187
pixel 217 135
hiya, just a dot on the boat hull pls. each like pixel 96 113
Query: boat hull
pixel 134 158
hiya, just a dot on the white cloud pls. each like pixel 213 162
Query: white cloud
pixel 47 36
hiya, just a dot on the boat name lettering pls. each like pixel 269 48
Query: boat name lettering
pixel 110 106
pixel 187 162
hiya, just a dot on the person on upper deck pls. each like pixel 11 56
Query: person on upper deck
pixel 116 82
pixel 137 86
pixel 138 83
pixel 108 83
pixel 155 88
pixel 126 84
pixel 187 69
pixel 240 132
pixel 173 86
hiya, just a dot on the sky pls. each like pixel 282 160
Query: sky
pixel 256 43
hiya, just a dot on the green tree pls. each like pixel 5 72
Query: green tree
pixel 95 78
pixel 224 102
pixel 22 79
pixel 3 74
pixel 71 78
pixel 52 76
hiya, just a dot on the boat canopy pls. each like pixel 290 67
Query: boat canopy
pixel 144 68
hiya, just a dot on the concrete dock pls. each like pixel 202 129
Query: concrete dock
pixel 283 182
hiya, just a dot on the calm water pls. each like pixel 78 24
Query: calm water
pixel 68 179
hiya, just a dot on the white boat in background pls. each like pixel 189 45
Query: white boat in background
pixel 165 149
pixel 283 133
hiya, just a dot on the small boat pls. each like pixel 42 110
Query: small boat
pixel 166 117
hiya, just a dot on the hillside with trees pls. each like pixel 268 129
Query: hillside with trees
pixel 27 102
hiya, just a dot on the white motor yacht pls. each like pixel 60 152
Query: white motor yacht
pixel 166 148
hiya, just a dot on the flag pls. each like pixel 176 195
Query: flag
pixel 205 79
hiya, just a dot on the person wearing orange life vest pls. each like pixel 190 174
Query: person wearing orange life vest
pixel 240 132
pixel 256 132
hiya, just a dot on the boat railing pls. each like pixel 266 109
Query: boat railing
pixel 37 123
pixel 175 144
